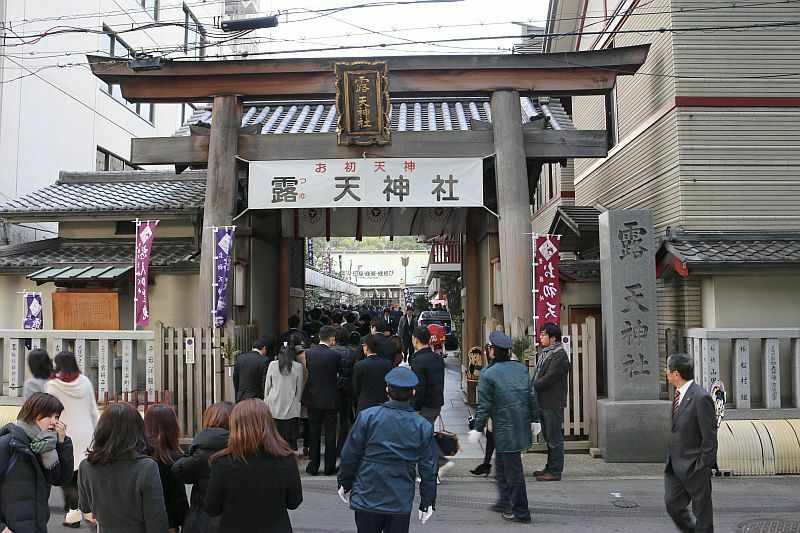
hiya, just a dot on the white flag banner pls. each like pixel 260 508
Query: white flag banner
pixel 368 183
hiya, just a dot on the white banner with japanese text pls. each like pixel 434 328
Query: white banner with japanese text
pixel 421 182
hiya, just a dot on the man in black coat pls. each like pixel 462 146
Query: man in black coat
pixel 692 449
pixel 369 385
pixel 250 370
pixel 386 348
pixel 321 397
pixel 550 382
pixel 429 397
pixel 294 327
pixel 405 330
pixel 312 328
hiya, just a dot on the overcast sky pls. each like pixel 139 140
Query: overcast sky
pixel 401 27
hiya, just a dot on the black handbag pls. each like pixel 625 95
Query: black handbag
pixel 447 441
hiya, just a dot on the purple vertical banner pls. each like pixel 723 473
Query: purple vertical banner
pixel 407 298
pixel 33 311
pixel 223 250
pixel 310 252
pixel 328 262
pixel 145 231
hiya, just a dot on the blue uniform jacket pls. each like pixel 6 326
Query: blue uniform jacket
pixel 379 458
pixel 506 395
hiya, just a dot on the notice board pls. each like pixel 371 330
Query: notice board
pixel 86 310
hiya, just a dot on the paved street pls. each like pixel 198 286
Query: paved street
pixel 582 501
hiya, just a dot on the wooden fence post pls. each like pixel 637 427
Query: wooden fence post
pixel 591 355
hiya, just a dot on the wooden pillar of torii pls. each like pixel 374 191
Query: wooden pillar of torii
pixel 220 199
pixel 503 77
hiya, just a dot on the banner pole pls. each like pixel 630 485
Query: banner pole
pixel 213 256
pixel 135 253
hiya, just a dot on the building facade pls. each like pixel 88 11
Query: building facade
pixel 55 115
pixel 705 136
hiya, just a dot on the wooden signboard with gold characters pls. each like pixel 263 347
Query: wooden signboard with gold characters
pixel 362 99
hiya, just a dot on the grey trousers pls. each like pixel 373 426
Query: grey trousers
pixel 677 495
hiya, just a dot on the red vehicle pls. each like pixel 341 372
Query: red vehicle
pixel 438 338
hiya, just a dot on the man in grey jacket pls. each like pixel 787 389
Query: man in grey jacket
pixel 550 382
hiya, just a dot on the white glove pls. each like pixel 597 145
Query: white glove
pixel 426 515
pixel 343 495
pixel 473 436
pixel 536 427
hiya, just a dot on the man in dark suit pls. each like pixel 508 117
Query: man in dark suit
pixel 429 397
pixel 405 330
pixel 386 348
pixel 294 327
pixel 312 328
pixel 692 449
pixel 368 376
pixel 321 397
pixel 250 370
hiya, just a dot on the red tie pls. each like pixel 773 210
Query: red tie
pixel 676 401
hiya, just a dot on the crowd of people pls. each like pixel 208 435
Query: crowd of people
pixel 374 400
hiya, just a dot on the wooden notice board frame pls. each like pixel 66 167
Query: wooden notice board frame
pixel 88 310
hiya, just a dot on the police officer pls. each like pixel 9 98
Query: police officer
pixel 387 444
pixel 505 395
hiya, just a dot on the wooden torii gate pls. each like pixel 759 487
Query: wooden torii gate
pixel 501 77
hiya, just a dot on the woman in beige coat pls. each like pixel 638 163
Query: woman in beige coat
pixel 283 389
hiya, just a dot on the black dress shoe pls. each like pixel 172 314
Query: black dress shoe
pixel 538 473
pixel 335 471
pixel 483 469
pixel 312 471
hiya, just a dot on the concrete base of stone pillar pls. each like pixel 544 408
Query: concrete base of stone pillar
pixel 633 431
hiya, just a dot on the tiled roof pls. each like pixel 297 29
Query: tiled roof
pixel 172 253
pixel 110 193
pixel 734 249
pixel 580 270
pixel 406 115
pixel 578 226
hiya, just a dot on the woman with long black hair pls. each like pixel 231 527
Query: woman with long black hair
pixel 283 389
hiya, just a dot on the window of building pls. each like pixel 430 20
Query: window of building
pixel 114 46
pixel 106 161
pixel 194 36
pixel 125 227
pixel 150 7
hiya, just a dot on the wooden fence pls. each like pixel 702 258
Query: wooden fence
pixel 580 414
pixel 195 371
pixel 140 367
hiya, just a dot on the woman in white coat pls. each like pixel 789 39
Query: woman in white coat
pixel 283 389
pixel 80 415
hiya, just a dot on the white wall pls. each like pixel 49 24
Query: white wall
pixel 760 300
